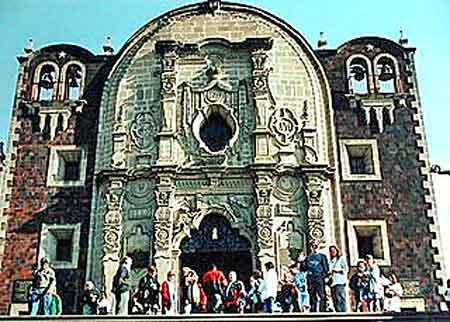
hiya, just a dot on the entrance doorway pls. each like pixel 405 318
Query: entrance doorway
pixel 217 242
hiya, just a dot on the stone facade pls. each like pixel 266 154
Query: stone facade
pixel 217 130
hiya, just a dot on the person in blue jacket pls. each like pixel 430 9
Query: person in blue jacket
pixel 316 266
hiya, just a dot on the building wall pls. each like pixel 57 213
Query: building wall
pixel 142 184
pixel 401 198
pixel 32 201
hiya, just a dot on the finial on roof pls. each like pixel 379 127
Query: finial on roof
pixel 29 48
pixel 108 48
pixel 322 42
pixel 214 5
pixel 403 39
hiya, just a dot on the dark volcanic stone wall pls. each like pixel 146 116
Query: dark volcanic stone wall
pixel 400 197
pixel 32 202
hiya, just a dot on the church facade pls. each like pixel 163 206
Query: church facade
pixel 216 133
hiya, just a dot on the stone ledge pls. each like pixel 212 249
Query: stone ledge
pixel 307 317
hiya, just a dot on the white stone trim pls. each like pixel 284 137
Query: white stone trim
pixel 369 72
pixel 425 170
pixel 345 160
pixel 16 309
pixel 353 242
pixel 47 244
pixel 54 166
pixel 397 83
pixel 35 92
pixel 63 87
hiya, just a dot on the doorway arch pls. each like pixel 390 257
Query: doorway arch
pixel 216 241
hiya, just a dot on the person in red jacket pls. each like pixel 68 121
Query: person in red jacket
pixel 234 298
pixel 214 283
pixel 169 295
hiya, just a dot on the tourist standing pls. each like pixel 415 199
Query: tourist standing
pixel 169 295
pixel 214 282
pixel 270 287
pixel 359 285
pixel 255 293
pixel 393 294
pixel 338 275
pixel 148 291
pixel 234 297
pixel 55 304
pixel 316 265
pixel 44 285
pixel 301 284
pixel 89 299
pixel 195 300
pixel 288 297
pixel 121 286
pixel 375 292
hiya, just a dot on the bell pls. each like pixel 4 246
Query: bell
pixel 386 73
pixel 359 73
pixel 45 83
pixel 73 82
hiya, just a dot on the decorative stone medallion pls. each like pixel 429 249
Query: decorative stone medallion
pixel 142 131
pixel 284 125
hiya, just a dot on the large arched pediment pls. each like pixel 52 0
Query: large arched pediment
pixel 236 48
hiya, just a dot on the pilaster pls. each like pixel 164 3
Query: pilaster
pixel 112 230
pixel 163 226
pixel 264 219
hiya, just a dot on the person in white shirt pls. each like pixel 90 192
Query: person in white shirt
pixel 393 294
pixel 271 287
pixel 338 275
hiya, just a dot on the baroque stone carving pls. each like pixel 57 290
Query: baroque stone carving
pixel 140 192
pixel 264 213
pixel 112 220
pixel 284 125
pixel 238 207
pixel 198 103
pixel 314 185
pixel 290 191
pixel 143 130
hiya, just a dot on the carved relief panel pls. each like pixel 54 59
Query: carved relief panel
pixel 215 118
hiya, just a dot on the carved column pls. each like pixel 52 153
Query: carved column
pixel 112 230
pixel 315 185
pixel 262 97
pixel 264 220
pixel 169 56
pixel 163 227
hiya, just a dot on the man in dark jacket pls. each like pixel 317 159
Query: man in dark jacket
pixel 316 265
pixel 121 286
pixel 148 293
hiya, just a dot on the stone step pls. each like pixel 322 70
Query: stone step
pixel 306 317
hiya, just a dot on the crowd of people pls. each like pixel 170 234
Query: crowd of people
pixel 313 283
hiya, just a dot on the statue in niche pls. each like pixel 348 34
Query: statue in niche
pixel 296 241
pixel 292 242
pixel 138 247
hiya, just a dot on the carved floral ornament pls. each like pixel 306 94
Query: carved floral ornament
pixel 143 130
pixel 111 239
pixel 284 125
